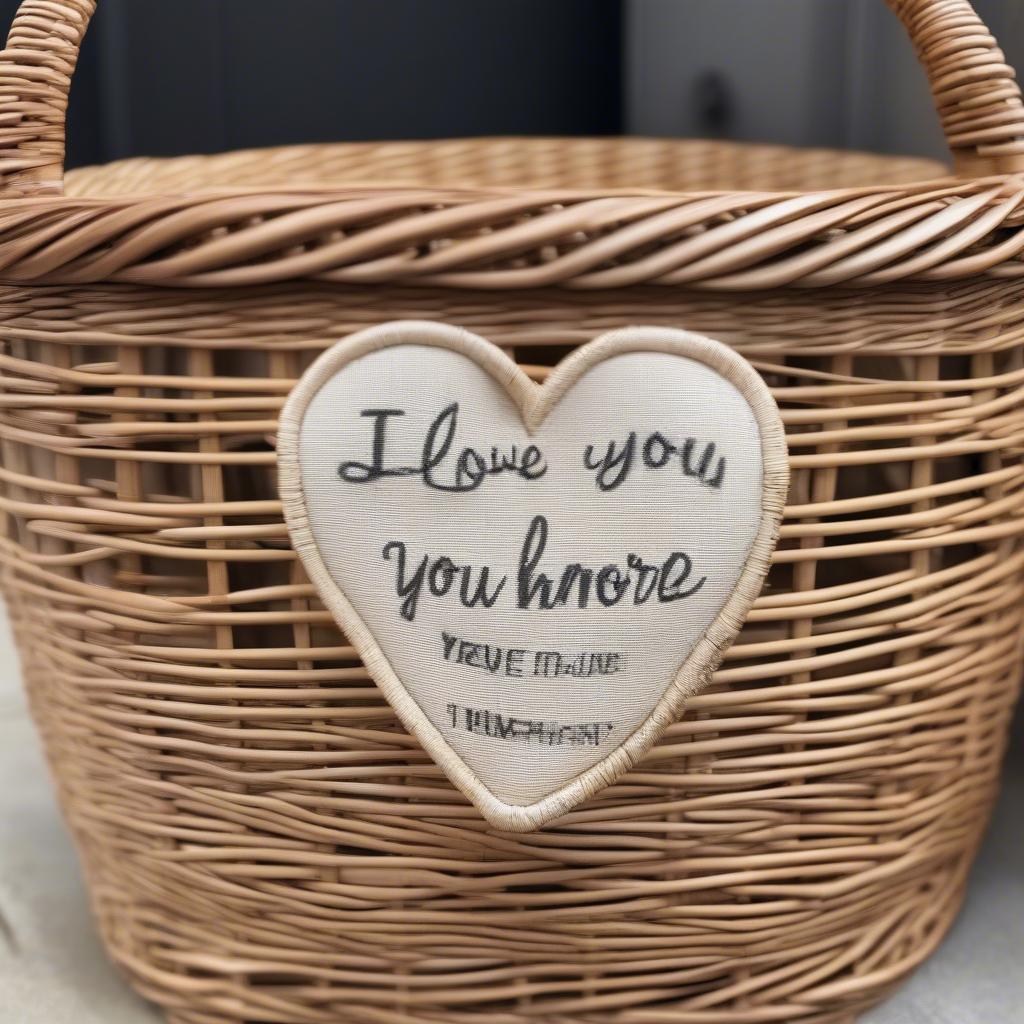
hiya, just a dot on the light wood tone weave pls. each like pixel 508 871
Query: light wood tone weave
pixel 262 842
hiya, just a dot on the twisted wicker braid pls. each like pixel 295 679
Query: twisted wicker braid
pixel 487 238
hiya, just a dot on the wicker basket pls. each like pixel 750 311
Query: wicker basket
pixel 262 842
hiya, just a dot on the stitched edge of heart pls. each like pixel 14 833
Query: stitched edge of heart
pixel 535 402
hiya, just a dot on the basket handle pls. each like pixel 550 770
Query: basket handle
pixel 975 92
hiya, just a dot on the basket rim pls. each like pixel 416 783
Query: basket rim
pixel 494 237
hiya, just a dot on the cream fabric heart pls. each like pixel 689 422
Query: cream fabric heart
pixel 535 576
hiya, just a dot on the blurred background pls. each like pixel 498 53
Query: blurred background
pixel 190 76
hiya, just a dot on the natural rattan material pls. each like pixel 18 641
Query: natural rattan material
pixel 263 842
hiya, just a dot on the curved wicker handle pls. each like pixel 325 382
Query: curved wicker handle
pixel 975 92
pixel 35 77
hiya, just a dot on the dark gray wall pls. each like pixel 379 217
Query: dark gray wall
pixel 181 76
pixel 803 72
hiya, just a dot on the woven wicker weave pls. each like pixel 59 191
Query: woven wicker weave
pixel 262 842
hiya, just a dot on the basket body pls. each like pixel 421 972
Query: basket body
pixel 261 839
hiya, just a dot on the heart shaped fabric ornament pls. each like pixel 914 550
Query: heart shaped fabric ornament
pixel 536 576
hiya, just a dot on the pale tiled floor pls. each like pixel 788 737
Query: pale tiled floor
pixel 52 970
